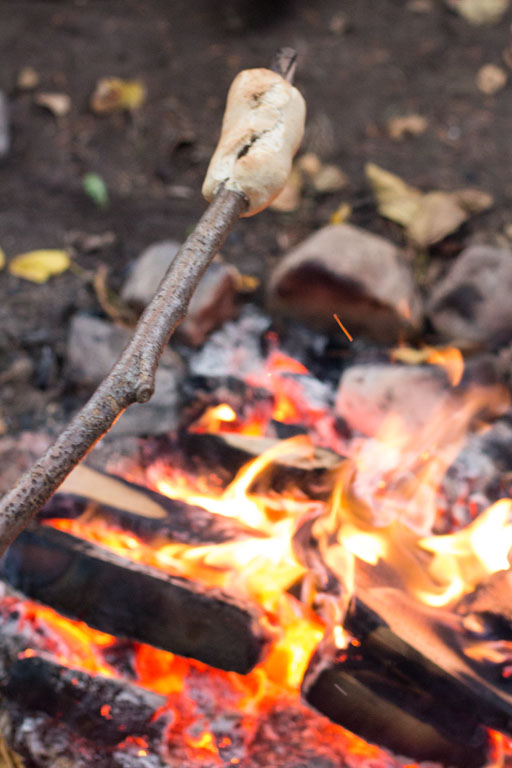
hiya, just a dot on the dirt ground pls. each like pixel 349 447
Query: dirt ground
pixel 361 62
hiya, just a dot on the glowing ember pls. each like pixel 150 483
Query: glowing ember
pixel 382 510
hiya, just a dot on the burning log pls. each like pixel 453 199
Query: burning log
pixel 311 472
pixel 99 708
pixel 407 685
pixel 127 599
pixel 146 513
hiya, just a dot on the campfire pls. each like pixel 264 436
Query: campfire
pixel 212 604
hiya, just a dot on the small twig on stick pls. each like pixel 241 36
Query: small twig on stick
pixel 132 378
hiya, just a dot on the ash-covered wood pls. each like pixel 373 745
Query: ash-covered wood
pixel 139 510
pixel 313 473
pixel 98 708
pixel 408 685
pixel 126 599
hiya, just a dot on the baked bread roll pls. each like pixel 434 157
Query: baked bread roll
pixel 262 129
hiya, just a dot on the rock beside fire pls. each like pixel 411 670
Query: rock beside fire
pixel 472 302
pixel 368 394
pixel 94 345
pixel 345 270
pixel 211 305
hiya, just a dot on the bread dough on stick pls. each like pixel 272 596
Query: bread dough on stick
pixel 262 129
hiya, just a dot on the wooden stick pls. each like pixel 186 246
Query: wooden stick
pixel 132 379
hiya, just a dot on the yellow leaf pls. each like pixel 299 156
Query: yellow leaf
pixel 396 200
pixel 2 259
pixel 112 94
pixel 409 355
pixel 39 266
pixel 341 214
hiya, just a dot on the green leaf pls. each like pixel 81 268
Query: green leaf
pixel 96 189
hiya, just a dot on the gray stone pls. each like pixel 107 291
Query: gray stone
pixel 213 301
pixel 419 394
pixel 361 277
pixel 94 345
pixel 473 301
pixel 368 394
pixel 5 133
pixel 147 272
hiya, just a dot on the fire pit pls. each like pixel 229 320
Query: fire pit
pixel 192 605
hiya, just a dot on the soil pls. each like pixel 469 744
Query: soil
pixel 361 62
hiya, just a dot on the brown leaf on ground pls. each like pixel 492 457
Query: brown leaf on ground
pixel 406 125
pixel 480 11
pixel 490 79
pixel 59 104
pixel 396 200
pixel 28 79
pixel 438 215
pixel 427 218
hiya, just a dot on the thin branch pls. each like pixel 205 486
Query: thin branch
pixel 133 376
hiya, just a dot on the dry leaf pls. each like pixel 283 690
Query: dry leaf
pixel 438 215
pixel 112 94
pixel 28 79
pixel 480 11
pixel 58 104
pixel 491 79
pixel 406 125
pixel 329 178
pixel 430 217
pixel 2 259
pixel 473 200
pixel 408 355
pixel 341 214
pixel 396 200
pixel 39 266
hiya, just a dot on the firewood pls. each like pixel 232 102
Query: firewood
pixel 407 684
pixel 127 599
pixel 98 708
pixel 312 473
pixel 146 513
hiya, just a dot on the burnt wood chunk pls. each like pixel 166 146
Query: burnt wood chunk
pixel 99 708
pixel 146 513
pixel 371 698
pixel 407 684
pixel 127 599
pixel 313 474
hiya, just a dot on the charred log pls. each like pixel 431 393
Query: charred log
pixel 370 698
pixel 312 474
pixel 407 683
pixel 146 513
pixel 126 599
pixel 98 708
